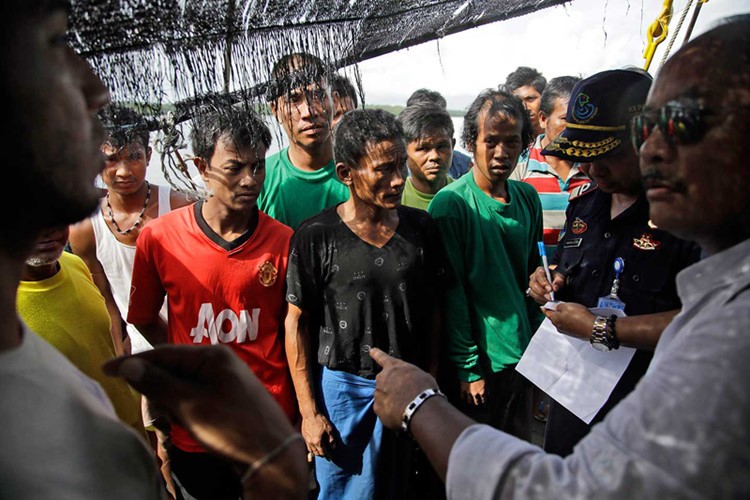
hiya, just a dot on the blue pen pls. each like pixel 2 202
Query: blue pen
pixel 543 253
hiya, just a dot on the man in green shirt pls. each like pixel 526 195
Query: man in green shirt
pixel 301 179
pixel 429 134
pixel 490 227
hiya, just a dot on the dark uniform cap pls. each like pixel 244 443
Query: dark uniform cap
pixel 599 113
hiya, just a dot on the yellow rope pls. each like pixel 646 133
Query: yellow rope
pixel 657 32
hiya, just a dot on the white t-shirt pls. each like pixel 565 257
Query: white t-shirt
pixel 59 435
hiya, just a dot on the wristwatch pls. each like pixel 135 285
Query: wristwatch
pixel 601 336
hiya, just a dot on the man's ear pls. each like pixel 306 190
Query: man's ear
pixel 336 98
pixel 274 108
pixel 344 173
pixel 201 165
pixel 453 143
pixel 543 120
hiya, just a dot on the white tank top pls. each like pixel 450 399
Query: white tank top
pixel 117 260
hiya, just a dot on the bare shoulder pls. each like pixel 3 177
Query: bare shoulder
pixel 178 199
pixel 82 239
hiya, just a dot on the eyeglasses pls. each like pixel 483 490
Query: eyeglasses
pixel 680 121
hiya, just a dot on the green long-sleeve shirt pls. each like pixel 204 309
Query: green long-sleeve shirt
pixel 492 250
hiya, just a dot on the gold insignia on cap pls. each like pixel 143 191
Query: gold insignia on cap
pixel 583 149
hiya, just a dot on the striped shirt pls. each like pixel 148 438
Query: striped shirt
pixel 552 189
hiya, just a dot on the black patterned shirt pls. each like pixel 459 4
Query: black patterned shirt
pixel 360 296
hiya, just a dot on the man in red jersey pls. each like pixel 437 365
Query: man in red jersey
pixel 221 263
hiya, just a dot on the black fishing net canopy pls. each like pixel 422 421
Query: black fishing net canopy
pixel 153 53
pixel 166 58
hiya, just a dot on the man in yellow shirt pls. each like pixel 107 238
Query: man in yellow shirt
pixel 59 301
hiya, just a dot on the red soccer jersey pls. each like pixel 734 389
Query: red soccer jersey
pixel 218 292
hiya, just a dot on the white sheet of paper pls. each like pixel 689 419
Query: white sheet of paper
pixel 570 371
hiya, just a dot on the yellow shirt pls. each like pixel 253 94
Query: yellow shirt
pixel 68 311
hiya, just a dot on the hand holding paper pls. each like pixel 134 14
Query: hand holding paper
pixel 572 319
pixel 568 369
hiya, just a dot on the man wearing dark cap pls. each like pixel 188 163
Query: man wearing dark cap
pixel 607 222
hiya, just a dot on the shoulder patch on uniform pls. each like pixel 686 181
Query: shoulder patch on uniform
pixel 587 188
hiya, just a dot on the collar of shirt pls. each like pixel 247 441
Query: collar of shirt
pixel 721 276
pixel 601 204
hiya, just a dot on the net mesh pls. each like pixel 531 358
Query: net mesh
pixel 167 58
pixel 158 54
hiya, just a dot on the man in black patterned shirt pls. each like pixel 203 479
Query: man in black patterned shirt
pixel 361 274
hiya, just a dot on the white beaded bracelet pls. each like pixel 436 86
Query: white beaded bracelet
pixel 412 407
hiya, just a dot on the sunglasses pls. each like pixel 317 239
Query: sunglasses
pixel 681 122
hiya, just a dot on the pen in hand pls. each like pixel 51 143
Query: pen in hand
pixel 545 263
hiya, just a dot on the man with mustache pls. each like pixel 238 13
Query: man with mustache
pixel 608 220
pixel 683 431
pixel 301 179
pixel 221 264
pixel 491 226
pixel 362 274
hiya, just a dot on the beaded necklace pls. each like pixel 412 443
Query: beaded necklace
pixel 140 216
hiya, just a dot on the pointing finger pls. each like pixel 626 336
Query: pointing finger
pixel 380 357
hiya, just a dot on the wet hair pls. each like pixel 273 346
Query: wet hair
pixel 124 126
pixel 296 70
pixel 558 88
pixel 426 96
pixel 495 102
pixel 361 127
pixel 239 125
pixel 522 76
pixel 421 120
pixel 344 87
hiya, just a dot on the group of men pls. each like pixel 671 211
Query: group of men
pixel 353 309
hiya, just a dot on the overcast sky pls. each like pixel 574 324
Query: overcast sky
pixel 579 38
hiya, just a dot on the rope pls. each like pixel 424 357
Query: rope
pixel 677 30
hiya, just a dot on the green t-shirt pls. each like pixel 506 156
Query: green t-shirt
pixel 417 199
pixel 492 249
pixel 291 195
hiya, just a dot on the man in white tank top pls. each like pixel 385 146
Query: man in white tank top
pixel 106 240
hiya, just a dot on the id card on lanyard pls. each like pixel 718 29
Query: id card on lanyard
pixel 612 300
